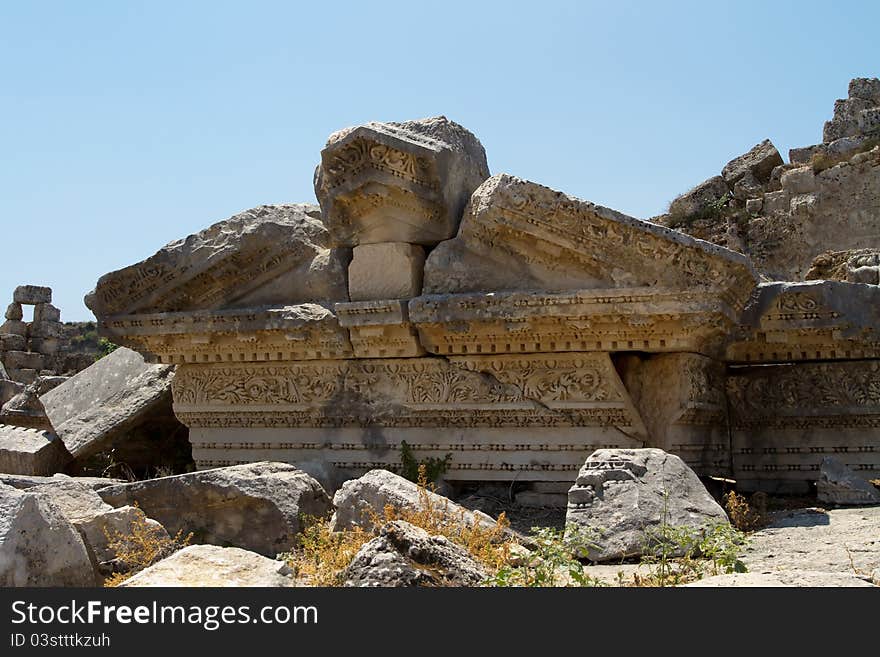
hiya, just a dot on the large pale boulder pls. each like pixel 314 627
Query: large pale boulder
pixel 38 546
pixel 95 520
pixel 209 566
pixel 838 484
pixel 361 500
pixel 398 182
pixel 24 482
pixel 269 255
pixel 258 506
pixel 623 495
pixel 406 555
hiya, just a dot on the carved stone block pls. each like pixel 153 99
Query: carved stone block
pixel 32 294
pixel 398 182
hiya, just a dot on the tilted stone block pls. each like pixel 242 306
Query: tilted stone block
pixel 269 255
pixel 390 270
pixel 32 294
pixel 759 161
pixel 398 182
pixel 700 197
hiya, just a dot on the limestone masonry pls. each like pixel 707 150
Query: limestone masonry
pixel 520 329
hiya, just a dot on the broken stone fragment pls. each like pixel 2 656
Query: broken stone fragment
pixel 406 555
pixel 398 182
pixel 14 312
pixel 518 235
pixel 622 495
pixel 46 312
pixel 38 546
pixel 258 506
pixel 268 255
pixel 838 484
pixel 213 566
pixel 30 451
pixel 759 161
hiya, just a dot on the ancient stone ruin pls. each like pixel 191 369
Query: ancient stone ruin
pixel 519 329
pixel 28 349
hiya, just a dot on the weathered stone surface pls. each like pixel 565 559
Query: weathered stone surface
pixel 853 266
pixel 700 197
pixel 93 518
pixel 46 312
pixel 14 312
pixel 29 451
pixel 759 161
pixel 380 328
pixel 111 397
pixel 258 506
pixel 622 494
pixel 838 484
pixel 358 501
pixel 18 360
pixel 785 417
pixel 541 414
pixel 815 320
pixel 46 329
pixel 387 270
pixel 518 235
pixel 774 580
pixel 212 566
pixel 406 555
pixel 29 481
pixel 849 112
pixel 398 182
pixel 38 546
pixel 9 389
pixel 269 255
pixel 26 410
pixel 14 327
pixel 682 400
pixel 3 377
pixel 32 294
pixel 12 342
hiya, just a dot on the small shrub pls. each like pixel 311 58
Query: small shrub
pixel 552 562
pixel 410 466
pixel 321 555
pixel 746 515
pixel 822 161
pixel 710 211
pixel 140 548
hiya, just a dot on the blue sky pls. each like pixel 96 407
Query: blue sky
pixel 125 125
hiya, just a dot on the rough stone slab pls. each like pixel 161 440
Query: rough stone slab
pixel 406 555
pixel 14 312
pixel 838 484
pixel 46 329
pixel 32 294
pixel 212 566
pixel 759 161
pixel 26 410
pixel 18 360
pixel 29 481
pixel 14 327
pixel 622 494
pixel 258 506
pixel 777 579
pixel 46 312
pixel 27 451
pixel 398 182
pixel 518 235
pixel 13 342
pixel 388 270
pixel 269 255
pixel 112 396
pixel 38 546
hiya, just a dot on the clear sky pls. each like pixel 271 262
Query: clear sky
pixel 125 125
